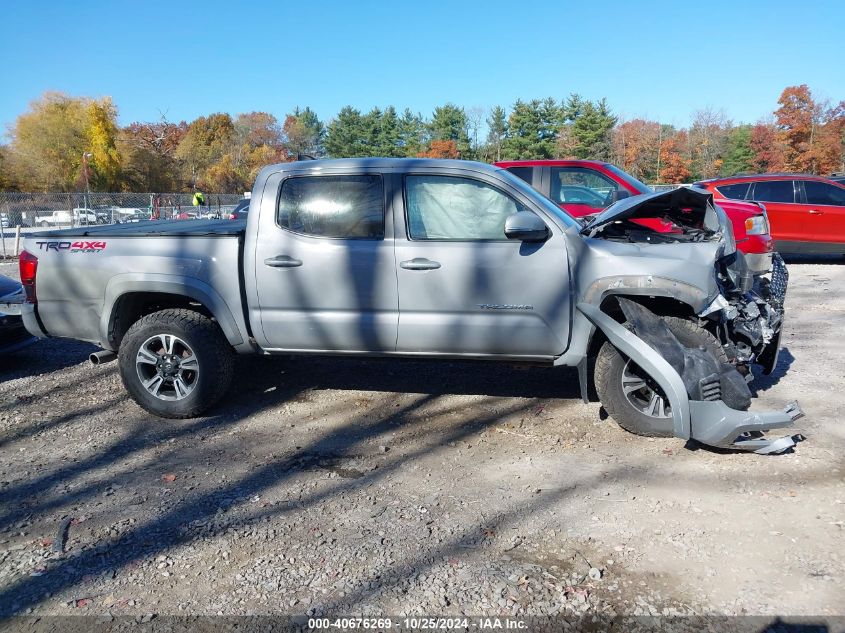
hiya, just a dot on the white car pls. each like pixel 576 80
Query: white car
pixel 58 218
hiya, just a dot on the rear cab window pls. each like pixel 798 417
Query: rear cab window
pixel 525 173
pixel 338 207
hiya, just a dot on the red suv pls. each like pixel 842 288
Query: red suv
pixel 807 212
pixel 587 187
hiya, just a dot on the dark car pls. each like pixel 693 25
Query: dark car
pixel 837 177
pixel 13 335
pixel 140 216
pixel 241 210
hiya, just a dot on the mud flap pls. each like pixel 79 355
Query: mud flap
pixel 710 422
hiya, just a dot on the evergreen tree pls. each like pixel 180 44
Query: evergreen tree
pixel 304 133
pixel 344 134
pixel 497 126
pixel 739 156
pixel 591 131
pixel 412 134
pixel 449 123
pixel 533 128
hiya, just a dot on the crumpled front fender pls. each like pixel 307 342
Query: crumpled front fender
pixel 709 422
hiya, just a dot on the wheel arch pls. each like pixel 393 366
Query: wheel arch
pixel 128 298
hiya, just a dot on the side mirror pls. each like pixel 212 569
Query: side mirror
pixel 527 227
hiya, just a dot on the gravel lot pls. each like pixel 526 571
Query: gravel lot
pixel 388 487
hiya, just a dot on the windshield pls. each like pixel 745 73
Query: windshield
pixel 548 204
pixel 630 180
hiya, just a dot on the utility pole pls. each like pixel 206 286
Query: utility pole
pixel 85 157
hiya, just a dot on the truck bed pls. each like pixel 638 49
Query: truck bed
pixel 158 228
pixel 83 270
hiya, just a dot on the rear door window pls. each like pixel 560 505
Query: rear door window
pixel 774 191
pixel 735 191
pixel 824 193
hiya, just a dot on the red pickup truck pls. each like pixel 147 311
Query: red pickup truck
pixel 586 187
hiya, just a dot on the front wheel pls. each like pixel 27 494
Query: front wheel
pixel 632 397
pixel 175 363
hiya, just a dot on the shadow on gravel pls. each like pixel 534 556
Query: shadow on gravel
pixel 481 378
pixel 148 443
pixel 803 258
pixel 258 385
pixel 762 382
pixel 44 356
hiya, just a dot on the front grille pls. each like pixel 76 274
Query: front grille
pixel 780 279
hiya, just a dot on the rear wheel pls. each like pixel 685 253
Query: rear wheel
pixel 632 397
pixel 175 363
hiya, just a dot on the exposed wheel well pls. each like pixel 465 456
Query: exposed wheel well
pixel 134 305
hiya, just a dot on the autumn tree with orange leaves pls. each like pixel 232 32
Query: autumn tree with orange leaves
pixel 441 149
pixel 675 164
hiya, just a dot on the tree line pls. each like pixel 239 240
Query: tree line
pixel 65 143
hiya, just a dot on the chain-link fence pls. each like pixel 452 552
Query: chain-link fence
pixel 73 209
pixel 24 212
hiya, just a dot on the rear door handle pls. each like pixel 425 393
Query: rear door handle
pixel 419 263
pixel 815 212
pixel 282 261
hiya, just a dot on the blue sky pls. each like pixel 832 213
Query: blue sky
pixel 661 60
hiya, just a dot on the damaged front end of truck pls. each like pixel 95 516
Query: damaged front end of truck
pixel 680 386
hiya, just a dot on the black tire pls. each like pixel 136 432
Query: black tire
pixel 204 342
pixel 608 374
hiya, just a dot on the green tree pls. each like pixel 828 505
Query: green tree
pixel 412 133
pixel 497 129
pixel 590 131
pixel 304 133
pixel 449 123
pixel 344 134
pixel 739 156
pixel 533 127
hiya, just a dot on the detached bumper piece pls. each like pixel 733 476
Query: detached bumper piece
pixel 708 421
pixel 716 424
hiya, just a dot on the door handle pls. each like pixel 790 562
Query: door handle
pixel 419 263
pixel 815 212
pixel 282 261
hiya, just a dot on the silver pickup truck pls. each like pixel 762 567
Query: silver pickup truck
pixel 428 259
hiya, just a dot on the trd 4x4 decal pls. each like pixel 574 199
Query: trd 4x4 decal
pixel 72 247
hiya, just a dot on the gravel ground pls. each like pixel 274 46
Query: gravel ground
pixel 396 487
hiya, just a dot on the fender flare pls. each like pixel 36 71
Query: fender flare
pixel 189 287
pixel 663 373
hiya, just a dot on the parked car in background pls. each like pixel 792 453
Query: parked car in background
pixel 186 215
pixel 13 334
pixel 587 187
pixel 807 213
pixel 241 210
pixel 837 177
pixel 59 218
pixel 138 216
